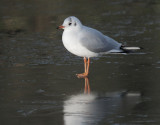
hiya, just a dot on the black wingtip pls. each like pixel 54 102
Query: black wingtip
pixel 141 47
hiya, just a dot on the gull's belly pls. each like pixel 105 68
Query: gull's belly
pixel 74 46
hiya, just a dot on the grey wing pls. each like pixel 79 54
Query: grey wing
pixel 95 41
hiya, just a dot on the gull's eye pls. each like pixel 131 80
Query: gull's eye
pixel 69 24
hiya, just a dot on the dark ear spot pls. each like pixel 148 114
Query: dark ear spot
pixel 75 24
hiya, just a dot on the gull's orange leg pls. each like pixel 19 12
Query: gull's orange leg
pixel 85 64
pixel 86 69
pixel 88 65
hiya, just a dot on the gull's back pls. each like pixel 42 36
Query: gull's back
pixel 96 42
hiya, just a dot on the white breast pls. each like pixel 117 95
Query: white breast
pixel 73 45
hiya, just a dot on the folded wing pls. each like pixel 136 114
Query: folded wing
pixel 96 42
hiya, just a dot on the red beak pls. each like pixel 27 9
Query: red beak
pixel 60 27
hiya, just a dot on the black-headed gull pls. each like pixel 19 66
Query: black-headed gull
pixel 88 42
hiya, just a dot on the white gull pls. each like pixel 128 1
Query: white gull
pixel 87 42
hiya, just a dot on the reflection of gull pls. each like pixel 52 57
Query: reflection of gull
pixel 77 109
pixel 89 109
pixel 87 86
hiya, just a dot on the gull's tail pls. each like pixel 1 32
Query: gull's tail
pixel 129 49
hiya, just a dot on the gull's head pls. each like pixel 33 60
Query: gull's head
pixel 71 22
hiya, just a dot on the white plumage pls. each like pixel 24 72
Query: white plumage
pixel 88 42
